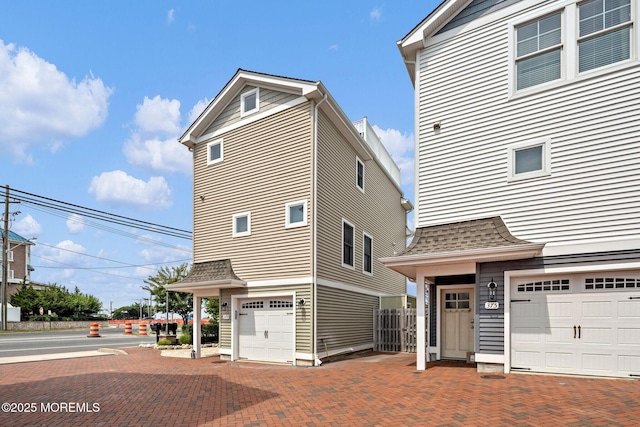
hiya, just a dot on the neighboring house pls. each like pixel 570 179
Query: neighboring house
pixel 19 262
pixel 293 207
pixel 528 171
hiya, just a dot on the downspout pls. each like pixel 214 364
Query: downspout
pixel 316 360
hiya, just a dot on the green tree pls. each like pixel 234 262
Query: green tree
pixel 212 308
pixel 58 300
pixel 179 302
pixel 27 299
pixel 130 312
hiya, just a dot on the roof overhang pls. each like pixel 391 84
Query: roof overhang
pixel 206 288
pixel 242 78
pixel 408 265
pixel 415 40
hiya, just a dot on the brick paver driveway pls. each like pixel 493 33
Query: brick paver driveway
pixel 145 389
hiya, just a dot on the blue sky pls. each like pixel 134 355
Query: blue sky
pixel 93 96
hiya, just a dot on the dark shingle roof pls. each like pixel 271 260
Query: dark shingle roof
pixel 462 236
pixel 210 271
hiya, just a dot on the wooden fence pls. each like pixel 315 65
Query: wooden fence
pixel 395 330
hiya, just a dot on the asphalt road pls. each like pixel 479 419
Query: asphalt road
pixel 39 343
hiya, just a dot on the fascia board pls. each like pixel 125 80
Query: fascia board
pixel 476 255
pixel 227 94
pixel 434 21
pixel 212 284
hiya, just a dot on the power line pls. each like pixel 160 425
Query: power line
pixel 46 202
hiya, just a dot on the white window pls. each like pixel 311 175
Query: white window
pixel 539 51
pixel 529 160
pixel 249 102
pixel 215 152
pixel 359 174
pixel 10 275
pixel 296 214
pixel 242 224
pixel 367 253
pixel 348 239
pixel 605 33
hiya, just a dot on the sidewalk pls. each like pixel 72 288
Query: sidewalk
pixel 145 389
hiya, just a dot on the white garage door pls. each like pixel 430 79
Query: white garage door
pixel 581 324
pixel 266 329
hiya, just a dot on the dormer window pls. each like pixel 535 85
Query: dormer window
pixel 250 102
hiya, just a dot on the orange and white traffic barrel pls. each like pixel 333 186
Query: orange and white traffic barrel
pixel 94 330
pixel 128 329
pixel 143 330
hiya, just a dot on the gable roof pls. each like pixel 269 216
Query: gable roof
pixel 449 14
pixel 315 91
pixel 478 240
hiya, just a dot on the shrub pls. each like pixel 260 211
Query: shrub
pixel 185 339
pixel 164 342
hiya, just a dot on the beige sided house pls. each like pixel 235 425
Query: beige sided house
pixel 293 207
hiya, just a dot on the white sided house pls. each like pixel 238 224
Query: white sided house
pixel 293 208
pixel 527 118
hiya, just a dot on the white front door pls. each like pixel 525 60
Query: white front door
pixel 266 329
pixel 573 325
pixel 457 322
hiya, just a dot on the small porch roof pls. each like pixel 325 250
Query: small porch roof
pixel 207 278
pixel 464 242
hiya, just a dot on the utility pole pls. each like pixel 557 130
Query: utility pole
pixel 5 259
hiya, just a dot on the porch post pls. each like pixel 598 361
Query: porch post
pixel 197 308
pixel 421 325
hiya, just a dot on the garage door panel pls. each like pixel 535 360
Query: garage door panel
pixel 527 359
pixel 558 360
pixel 526 335
pixel 629 309
pixel 560 310
pixel 560 335
pixel 597 336
pixel 597 309
pixel 629 336
pixel 629 363
pixel 597 362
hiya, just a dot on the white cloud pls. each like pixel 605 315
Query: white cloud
pixel 118 188
pixel 158 115
pixel 171 16
pixel 40 105
pixel 27 227
pixel 64 254
pixel 160 155
pixel 400 147
pixel 196 110
pixel 333 47
pixel 153 144
pixel 75 224
pixel 375 14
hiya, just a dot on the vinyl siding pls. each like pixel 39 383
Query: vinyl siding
pixel 345 319
pixel 592 124
pixel 491 322
pixel 376 212
pixel 266 164
pixel 304 325
pixel 268 99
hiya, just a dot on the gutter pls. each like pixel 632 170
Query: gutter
pixel 316 360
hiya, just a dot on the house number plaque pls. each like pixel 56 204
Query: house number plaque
pixel 492 305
